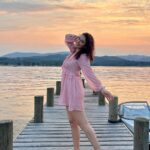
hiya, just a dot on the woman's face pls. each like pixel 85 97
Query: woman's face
pixel 80 41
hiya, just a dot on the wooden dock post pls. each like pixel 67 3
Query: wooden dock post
pixel 95 93
pixel 50 97
pixel 101 99
pixel 83 81
pixel 58 87
pixel 6 135
pixel 113 110
pixel 38 109
pixel 141 133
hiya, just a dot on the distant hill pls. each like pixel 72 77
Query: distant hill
pixel 29 54
pixel 117 61
pixel 136 58
pixel 56 59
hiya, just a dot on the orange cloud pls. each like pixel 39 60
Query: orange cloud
pixel 120 25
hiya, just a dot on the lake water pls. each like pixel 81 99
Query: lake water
pixel 19 85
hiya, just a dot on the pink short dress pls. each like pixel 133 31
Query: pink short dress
pixel 72 90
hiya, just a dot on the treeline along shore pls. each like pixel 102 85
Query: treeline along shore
pixel 57 60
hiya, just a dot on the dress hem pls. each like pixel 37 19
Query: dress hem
pixel 70 109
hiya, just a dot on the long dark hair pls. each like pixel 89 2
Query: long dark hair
pixel 88 48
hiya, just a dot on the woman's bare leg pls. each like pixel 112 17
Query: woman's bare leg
pixel 82 121
pixel 75 131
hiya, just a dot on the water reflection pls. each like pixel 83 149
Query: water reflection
pixel 19 85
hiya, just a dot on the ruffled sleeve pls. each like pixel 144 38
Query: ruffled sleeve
pixel 88 73
pixel 69 40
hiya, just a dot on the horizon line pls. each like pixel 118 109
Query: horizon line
pixel 69 52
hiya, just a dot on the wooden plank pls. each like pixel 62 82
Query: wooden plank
pixel 50 139
pixel 69 132
pixel 70 148
pixel 69 135
pixel 99 128
pixel 64 143
pixel 58 125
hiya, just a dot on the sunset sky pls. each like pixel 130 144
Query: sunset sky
pixel 118 26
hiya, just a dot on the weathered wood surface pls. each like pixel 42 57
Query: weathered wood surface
pixel 141 133
pixel 6 135
pixel 55 132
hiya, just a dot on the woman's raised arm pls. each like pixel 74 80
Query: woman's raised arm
pixel 69 40
pixel 88 73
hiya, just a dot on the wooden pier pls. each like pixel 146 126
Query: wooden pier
pixel 55 132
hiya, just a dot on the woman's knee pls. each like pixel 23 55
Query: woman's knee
pixel 73 123
pixel 72 120
pixel 80 118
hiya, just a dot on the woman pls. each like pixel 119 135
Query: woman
pixel 72 90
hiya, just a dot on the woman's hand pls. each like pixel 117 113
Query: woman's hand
pixel 71 37
pixel 107 94
pixel 70 40
pixel 76 41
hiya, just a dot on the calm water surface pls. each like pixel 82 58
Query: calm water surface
pixel 19 85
